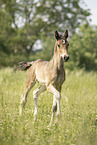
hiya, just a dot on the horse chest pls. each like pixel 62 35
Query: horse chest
pixel 60 76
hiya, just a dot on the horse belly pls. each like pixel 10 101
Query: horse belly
pixel 41 75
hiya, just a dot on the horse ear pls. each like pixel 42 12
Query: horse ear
pixel 56 35
pixel 66 34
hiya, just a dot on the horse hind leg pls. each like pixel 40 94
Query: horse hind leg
pixel 24 97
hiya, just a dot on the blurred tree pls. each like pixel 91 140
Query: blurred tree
pixel 48 15
pixel 23 22
pixel 84 48
pixel 59 15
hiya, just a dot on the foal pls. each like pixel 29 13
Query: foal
pixel 50 75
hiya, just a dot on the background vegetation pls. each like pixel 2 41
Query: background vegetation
pixel 26 25
pixel 78 124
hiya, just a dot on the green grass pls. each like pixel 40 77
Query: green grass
pixel 78 123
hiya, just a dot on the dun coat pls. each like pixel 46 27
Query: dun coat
pixel 50 75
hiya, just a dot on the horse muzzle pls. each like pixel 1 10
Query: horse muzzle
pixel 66 58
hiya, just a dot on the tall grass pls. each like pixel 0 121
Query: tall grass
pixel 78 124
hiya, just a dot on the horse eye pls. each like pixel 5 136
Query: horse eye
pixel 58 45
pixel 63 41
pixel 68 44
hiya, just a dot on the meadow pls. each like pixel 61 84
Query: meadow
pixel 78 124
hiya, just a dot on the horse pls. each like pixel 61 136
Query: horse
pixel 49 74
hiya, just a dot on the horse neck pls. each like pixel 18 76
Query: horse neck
pixel 57 59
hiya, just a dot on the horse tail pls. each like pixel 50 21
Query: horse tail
pixel 24 65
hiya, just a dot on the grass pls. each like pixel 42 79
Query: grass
pixel 78 123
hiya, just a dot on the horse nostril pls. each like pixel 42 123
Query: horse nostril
pixel 66 57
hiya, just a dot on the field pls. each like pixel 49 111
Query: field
pixel 78 124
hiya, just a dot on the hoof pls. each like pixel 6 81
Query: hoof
pixel 49 126
pixel 57 121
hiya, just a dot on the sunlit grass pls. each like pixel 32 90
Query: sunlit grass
pixel 78 123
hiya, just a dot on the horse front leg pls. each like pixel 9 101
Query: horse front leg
pixel 58 109
pixel 36 93
pixel 56 103
pixel 54 108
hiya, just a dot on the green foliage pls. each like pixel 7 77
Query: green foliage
pixel 78 124
pixel 83 48
pixel 23 22
pixel 48 48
